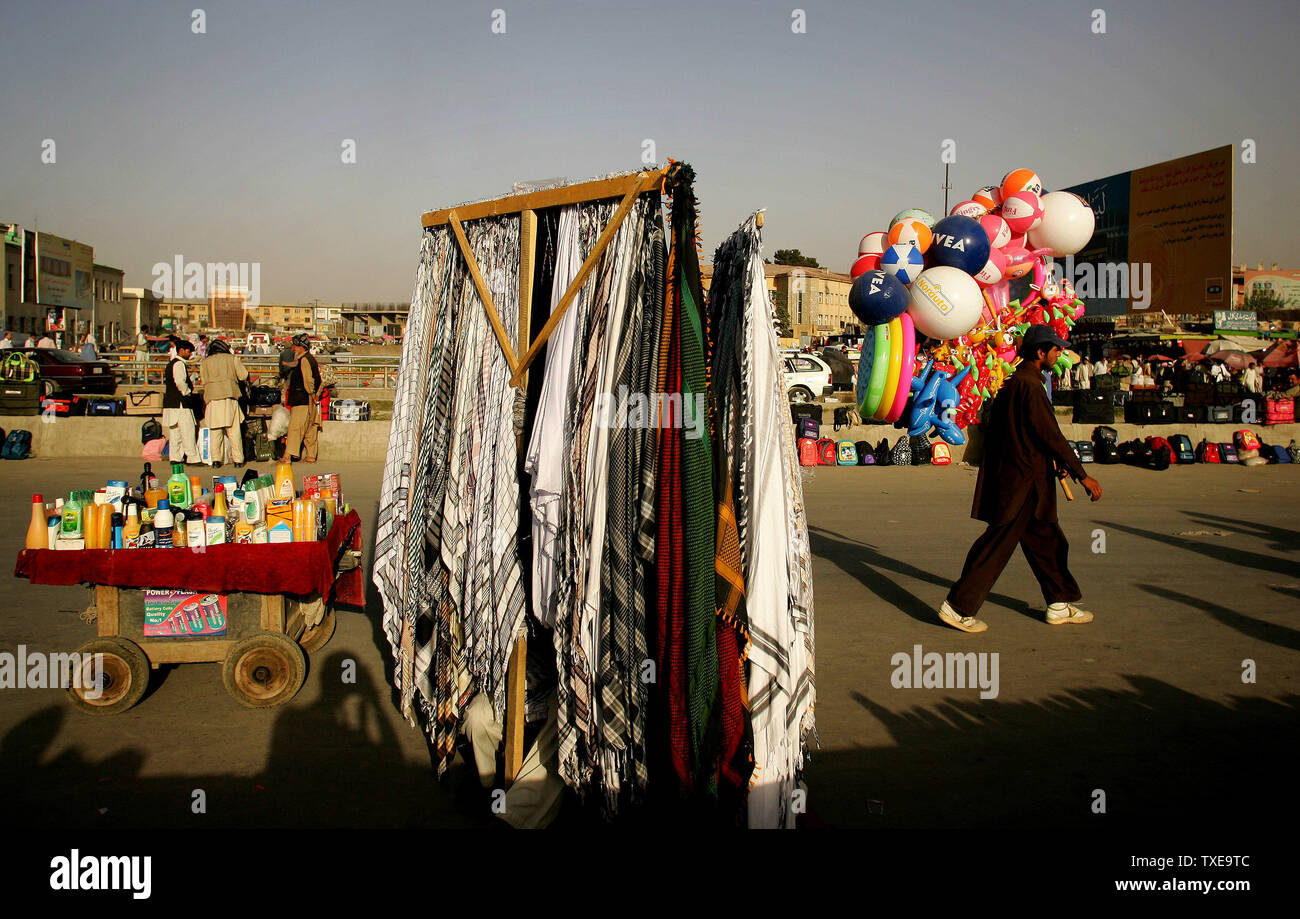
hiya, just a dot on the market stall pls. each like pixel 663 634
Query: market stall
pixel 256 608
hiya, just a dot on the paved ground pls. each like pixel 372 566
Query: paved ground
pixel 1201 572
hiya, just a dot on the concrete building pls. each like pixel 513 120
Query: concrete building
pixel 282 317
pixel 107 321
pixel 817 301
pixel 185 316
pixel 140 306
pixel 374 319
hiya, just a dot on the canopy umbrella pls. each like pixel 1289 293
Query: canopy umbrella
pixel 1282 354
pixel 1237 360
pixel 1235 343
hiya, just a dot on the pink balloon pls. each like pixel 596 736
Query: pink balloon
pixel 864 264
pixel 996 227
pixel 994 270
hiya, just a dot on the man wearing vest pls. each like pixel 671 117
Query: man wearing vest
pixel 304 417
pixel 177 417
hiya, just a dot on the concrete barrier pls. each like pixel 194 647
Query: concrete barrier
pixel 362 441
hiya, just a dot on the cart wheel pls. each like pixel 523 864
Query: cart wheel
pixel 265 670
pixel 121 683
pixel 316 638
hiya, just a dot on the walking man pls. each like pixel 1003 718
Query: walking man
pixel 1015 494
pixel 177 417
pixel 222 373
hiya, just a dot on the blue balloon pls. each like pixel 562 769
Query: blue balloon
pixel 877 297
pixel 959 242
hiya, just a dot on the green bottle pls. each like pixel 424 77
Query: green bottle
pixel 178 488
pixel 70 525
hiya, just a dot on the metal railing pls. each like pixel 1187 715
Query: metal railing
pixel 263 369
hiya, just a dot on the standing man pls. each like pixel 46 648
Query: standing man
pixel 221 373
pixel 46 341
pixel 142 352
pixel 203 346
pixel 304 418
pixel 88 352
pixel 177 417
pixel 1015 494
pixel 7 342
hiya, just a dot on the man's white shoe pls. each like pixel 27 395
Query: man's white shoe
pixel 1064 613
pixel 958 621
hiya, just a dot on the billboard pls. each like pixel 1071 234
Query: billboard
pixel 1284 285
pixel 65 271
pixel 1163 239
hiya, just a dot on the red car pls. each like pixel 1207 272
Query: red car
pixel 65 372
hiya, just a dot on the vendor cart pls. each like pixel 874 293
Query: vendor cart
pixel 270 606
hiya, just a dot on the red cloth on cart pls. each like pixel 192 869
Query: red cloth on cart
pixel 301 568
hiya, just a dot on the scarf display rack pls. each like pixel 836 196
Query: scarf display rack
pixel 641 537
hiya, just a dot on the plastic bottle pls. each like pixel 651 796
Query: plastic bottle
pixel 131 529
pixel 180 530
pixel 148 481
pixel 196 490
pixel 162 525
pixel 153 496
pixel 178 488
pixel 116 523
pixel 215 530
pixel 219 506
pixel 253 505
pixel 238 499
pixel 53 525
pixel 284 480
pixel 71 528
pixel 37 530
pixel 148 538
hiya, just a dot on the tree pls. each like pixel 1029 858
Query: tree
pixel 795 258
pixel 1261 299
pixel 784 329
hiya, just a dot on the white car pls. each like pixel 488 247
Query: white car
pixel 806 376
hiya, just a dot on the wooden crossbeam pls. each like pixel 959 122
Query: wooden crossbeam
pixel 538 200
pixel 646 182
pixel 483 293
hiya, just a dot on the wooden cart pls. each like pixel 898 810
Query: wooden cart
pixel 262 653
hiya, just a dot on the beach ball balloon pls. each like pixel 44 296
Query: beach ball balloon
pixel 972 209
pixel 998 232
pixel 994 269
pixel 877 297
pixel 1020 261
pixel 904 261
pixel 1021 180
pixel 990 196
pixel 1022 210
pixel 959 242
pixel 1066 226
pixel 912 213
pixel 873 243
pixel 864 264
pixel 910 231
pixel 945 302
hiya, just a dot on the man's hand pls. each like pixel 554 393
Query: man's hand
pixel 1092 487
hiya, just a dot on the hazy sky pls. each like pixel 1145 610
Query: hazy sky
pixel 226 146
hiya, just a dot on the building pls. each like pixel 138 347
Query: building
pixel 107 319
pixel 185 316
pixel 281 317
pixel 1281 283
pixel 817 301
pixel 49 284
pixel 374 319
pixel 140 307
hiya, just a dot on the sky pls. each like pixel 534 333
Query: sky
pixel 228 145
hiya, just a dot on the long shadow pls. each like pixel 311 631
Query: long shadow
pixel 1165 758
pixel 861 560
pixel 1259 629
pixel 1239 557
pixel 1284 540
pixel 335 762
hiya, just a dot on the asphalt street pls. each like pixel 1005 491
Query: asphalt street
pixel 1145 710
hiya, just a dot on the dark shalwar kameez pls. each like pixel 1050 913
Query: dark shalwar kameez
pixel 1015 495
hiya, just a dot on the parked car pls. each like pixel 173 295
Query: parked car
pixel 844 365
pixel 65 372
pixel 806 376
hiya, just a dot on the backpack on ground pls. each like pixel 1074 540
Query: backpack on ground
pixel 865 456
pixel 901 455
pixel 1162 454
pixel 150 430
pixel 882 453
pixel 1228 453
pixel 1281 454
pixel 922 450
pixel 941 454
pixel 807 451
pixel 1182 445
pixel 846 454
pixel 1207 452
pixel 826 452
pixel 17 445
pixel 1084 450
pixel 1294 451
pixel 1105 433
pixel 1246 441
pixel 808 427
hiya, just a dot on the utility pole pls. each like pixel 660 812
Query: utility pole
pixel 946 188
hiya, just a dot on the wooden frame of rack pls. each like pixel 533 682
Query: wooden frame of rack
pixel 628 188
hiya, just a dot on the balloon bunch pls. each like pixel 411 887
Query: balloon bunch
pixel 949 280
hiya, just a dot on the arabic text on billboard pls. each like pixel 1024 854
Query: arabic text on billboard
pixel 1236 320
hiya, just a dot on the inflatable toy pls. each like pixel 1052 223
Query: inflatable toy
pixel 877 297
pixel 1021 180
pixel 959 242
pixel 912 213
pixel 945 302
pixel 907 362
pixel 892 379
pixel 904 261
pixel 864 264
pixel 877 373
pixel 873 243
pixel 1066 226
pixel 998 232
pixel 972 209
pixel 1022 210
pixel 935 404
pixel 910 231
pixel 990 196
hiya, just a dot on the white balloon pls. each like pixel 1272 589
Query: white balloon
pixel 1067 224
pixel 945 302
pixel 872 244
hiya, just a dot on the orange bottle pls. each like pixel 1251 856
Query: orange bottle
pixel 104 527
pixel 37 540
